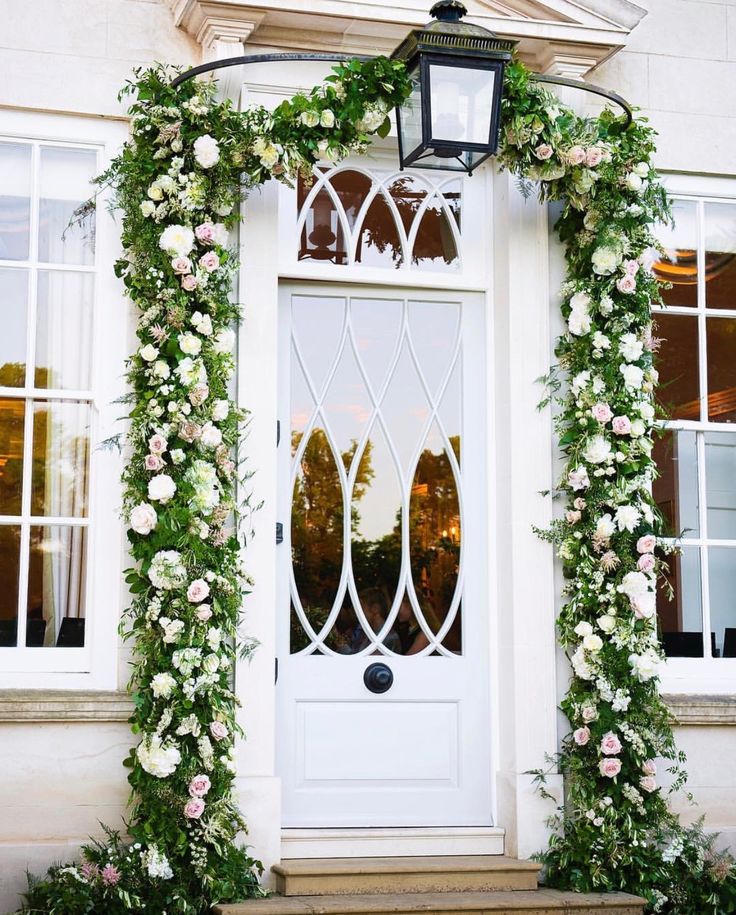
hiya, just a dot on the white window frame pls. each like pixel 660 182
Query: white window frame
pixel 95 665
pixel 706 674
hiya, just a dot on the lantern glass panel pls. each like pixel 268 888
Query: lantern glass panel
pixel 461 103
pixel 411 116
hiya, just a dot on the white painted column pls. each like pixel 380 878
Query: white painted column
pixel 525 690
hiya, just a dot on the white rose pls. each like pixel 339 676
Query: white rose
pixel 211 436
pixel 203 323
pixel 224 341
pixel 309 118
pixel 638 428
pixel 148 208
pixel 645 666
pixel 645 605
pixel 161 369
pixel 581 666
pixel 579 323
pixel 177 240
pixel 190 344
pixel 606 305
pixel 148 352
pixel 177 456
pixel 597 450
pixel 219 234
pixel 592 643
pixel 211 664
pixel 633 182
pixel 220 410
pixel 162 685
pixel 606 623
pixel 143 518
pixel 270 156
pixel 600 341
pixel 646 411
pixel 580 301
pixel 630 347
pixel 634 584
pixel 582 629
pixel 605 260
pixel 578 479
pixel 157 758
pixel 633 375
pixel 580 381
pixel 327 118
pixel 161 488
pixel 155 192
pixel 206 151
pixel 641 169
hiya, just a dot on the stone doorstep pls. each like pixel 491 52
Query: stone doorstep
pixel 517 902
pixel 438 874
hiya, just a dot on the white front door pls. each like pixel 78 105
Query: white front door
pixel 383 641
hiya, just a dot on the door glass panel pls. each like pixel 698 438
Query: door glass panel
pixel 720 476
pixel 722 576
pixel 379 244
pixel 66 183
pixel 720 255
pixel 679 606
pixel 721 340
pixel 679 266
pixel 61 432
pixel 676 488
pixel 396 432
pixel 434 245
pixel 12 414
pixel 13 308
pixel 64 330
pixel 15 201
pixel 56 595
pixel 9 572
pixel 678 363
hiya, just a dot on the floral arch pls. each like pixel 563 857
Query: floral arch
pixel 178 182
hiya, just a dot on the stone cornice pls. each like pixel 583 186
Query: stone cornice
pixel 19 705
pixel 702 709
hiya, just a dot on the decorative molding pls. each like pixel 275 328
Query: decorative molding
pixel 702 709
pixel 211 22
pixel 19 705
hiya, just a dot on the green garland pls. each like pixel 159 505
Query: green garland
pixel 179 182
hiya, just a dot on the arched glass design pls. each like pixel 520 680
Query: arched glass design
pixel 376 480
pixel 348 215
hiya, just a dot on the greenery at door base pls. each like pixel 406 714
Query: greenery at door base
pixel 179 182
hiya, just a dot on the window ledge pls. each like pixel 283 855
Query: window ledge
pixel 702 710
pixel 63 705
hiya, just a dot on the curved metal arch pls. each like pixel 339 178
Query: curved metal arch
pixel 338 58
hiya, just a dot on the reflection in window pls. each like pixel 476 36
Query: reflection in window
pixel 44 439
pixel 697 464
pixel 392 222
pixel 371 446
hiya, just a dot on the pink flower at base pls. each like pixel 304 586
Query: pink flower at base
pixel 581 736
pixel 575 155
pixel 646 562
pixel 199 785
pixel 609 768
pixel 631 267
pixel 543 151
pixel 110 875
pixel 181 265
pixel 626 284
pixel 197 591
pixel 158 444
pixel 621 425
pixel 649 767
pixel 194 808
pixel 610 744
pixel 154 462
pixel 89 870
pixel 209 261
pixel 205 233
pixel 593 156
pixel 204 612
pixel 601 412
pixel 648 783
pixel 189 283
pixel 218 730
pixel 646 543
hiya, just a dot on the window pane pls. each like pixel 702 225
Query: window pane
pixel 680 265
pixel 56 586
pixel 9 571
pixel 13 307
pixel 720 466
pixel 676 488
pixel 65 183
pixel 681 615
pixel 720 255
pixel 722 581
pixel 379 244
pixel 12 413
pixel 60 455
pixel 721 341
pixel 678 365
pixel 15 201
pixel 64 330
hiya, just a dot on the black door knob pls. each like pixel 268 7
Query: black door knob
pixel 378 678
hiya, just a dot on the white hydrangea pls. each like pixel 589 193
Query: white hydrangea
pixel 167 570
pixel 158 758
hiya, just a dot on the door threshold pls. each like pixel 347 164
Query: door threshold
pixel 385 842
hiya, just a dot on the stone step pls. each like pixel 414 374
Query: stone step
pixel 516 902
pixel 350 876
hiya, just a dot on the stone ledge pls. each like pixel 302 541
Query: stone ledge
pixel 702 710
pixel 63 705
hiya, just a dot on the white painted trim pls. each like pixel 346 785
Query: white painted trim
pixel 379 843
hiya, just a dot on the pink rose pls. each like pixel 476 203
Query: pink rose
pixel 621 425
pixel 649 767
pixel 158 444
pixel 575 155
pixel 181 265
pixel 646 543
pixel 579 503
pixel 601 412
pixel 573 517
pixel 646 562
pixel 199 785
pixel 218 730
pixel 543 151
pixel 205 233
pixel 204 612
pixel 194 808
pixel 154 462
pixel 199 393
pixel 189 282
pixel 610 744
pixel 626 284
pixel 209 261
pixel 581 736
pixel 589 713
pixel 610 768
pixel 644 605
pixel 198 590
pixel 593 156
pixel 648 783
pixel 189 431
pixel 631 267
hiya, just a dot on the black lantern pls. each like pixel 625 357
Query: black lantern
pixel 451 119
